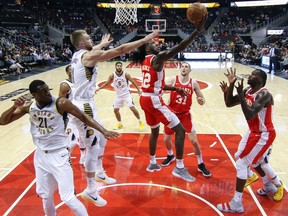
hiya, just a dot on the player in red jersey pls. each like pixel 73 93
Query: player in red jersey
pixel 181 107
pixel 257 104
pixel 156 111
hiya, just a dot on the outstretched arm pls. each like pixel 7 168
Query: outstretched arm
pixel 181 91
pixel 106 40
pixel 109 80
pixel 163 56
pixel 90 59
pixel 65 105
pixel 130 79
pixel 15 112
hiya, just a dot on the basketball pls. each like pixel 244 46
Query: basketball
pixel 196 12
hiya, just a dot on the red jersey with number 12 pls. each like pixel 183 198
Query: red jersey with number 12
pixel 153 81
pixel 178 103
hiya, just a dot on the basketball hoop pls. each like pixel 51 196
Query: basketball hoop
pixel 126 11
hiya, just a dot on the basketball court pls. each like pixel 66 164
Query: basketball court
pixel 137 191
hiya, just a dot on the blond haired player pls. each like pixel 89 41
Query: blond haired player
pixel 84 72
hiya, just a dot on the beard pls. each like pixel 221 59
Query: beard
pixel 89 48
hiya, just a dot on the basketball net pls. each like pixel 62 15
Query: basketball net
pixel 126 11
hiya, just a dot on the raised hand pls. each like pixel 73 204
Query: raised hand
pixel 106 39
pixel 151 36
pixel 231 75
pixel 19 102
pixel 239 87
pixel 224 86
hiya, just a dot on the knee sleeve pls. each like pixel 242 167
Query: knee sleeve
pixel 48 206
pixel 241 167
pixel 77 207
pixel 102 144
pixel 92 153
pixel 268 170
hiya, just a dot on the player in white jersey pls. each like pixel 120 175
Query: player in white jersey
pixel 84 71
pixel 121 81
pixel 66 91
pixel 51 159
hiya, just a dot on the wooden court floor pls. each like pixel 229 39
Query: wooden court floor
pixel 157 192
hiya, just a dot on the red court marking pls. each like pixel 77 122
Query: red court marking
pixel 146 200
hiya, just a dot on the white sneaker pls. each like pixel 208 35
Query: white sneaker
pixel 102 177
pixel 93 197
pixel 183 173
pixel 232 206
pixel 268 189
pixel 153 167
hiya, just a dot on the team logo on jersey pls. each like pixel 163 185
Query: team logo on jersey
pixel 68 131
pixel 120 83
pixel 202 85
pixel 89 133
pixel 249 102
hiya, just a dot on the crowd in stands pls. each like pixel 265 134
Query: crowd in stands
pixel 239 21
pixel 22 46
pixel 20 59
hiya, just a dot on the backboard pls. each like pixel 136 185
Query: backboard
pixel 155 24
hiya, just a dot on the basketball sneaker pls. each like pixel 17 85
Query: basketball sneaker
pixel 268 189
pixel 153 167
pixel 141 125
pixel 168 160
pixel 183 173
pixel 251 179
pixel 102 177
pixel 93 197
pixel 204 170
pixel 232 206
pixel 279 193
pixel 118 126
